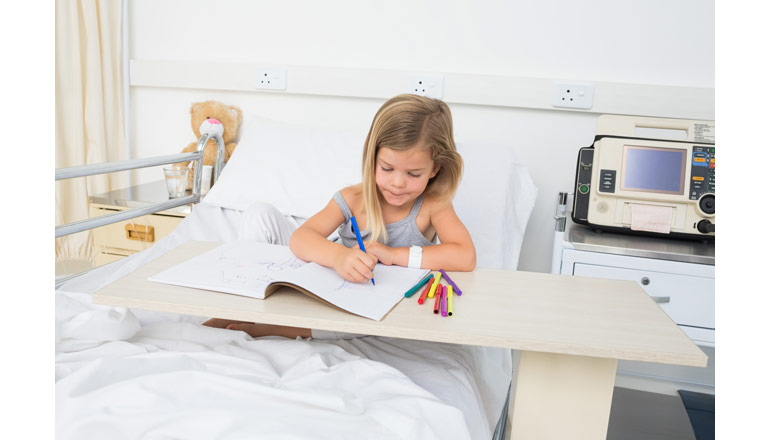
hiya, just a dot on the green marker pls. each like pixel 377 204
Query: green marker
pixel 417 287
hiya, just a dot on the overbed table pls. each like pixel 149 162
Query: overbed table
pixel 570 331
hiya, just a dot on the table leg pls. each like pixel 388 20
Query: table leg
pixel 558 396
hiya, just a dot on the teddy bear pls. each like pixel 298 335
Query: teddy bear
pixel 229 116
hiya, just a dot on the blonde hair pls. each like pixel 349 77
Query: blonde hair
pixel 402 123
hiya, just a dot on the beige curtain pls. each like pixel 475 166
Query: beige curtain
pixel 89 110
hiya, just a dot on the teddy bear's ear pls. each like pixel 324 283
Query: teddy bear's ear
pixel 194 107
pixel 237 112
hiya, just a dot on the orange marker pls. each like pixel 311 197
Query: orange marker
pixel 421 299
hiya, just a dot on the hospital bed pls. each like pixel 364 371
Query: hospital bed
pixel 131 373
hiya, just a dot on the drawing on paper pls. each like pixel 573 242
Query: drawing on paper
pixel 242 267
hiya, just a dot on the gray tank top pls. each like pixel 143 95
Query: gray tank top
pixel 403 233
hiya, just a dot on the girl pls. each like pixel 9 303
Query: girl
pixel 403 206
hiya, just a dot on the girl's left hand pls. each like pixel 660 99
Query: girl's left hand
pixel 383 253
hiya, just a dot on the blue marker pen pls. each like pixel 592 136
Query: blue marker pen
pixel 358 237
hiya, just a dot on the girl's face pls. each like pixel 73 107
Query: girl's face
pixel 401 176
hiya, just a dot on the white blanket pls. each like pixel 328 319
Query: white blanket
pixel 138 374
pixel 183 380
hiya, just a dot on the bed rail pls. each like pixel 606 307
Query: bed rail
pixel 132 164
pixel 109 167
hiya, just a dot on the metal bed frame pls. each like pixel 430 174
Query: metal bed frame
pixel 132 164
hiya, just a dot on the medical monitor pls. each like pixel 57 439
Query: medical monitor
pixel 631 182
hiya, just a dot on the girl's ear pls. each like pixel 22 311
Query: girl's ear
pixel 436 167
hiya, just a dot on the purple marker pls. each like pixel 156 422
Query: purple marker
pixel 443 302
pixel 449 280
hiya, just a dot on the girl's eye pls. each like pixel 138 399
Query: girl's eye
pixel 386 169
pixel 414 175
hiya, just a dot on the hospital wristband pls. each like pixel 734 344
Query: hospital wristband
pixel 415 257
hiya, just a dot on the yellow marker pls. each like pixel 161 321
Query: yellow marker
pixel 449 295
pixel 433 287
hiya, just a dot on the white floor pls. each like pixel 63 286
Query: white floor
pixel 648 406
pixel 641 415
pixel 668 388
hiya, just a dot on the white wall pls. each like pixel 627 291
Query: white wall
pixel 654 43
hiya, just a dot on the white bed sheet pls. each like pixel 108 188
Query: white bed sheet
pixel 134 373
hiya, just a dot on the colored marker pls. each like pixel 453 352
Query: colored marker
pixel 358 237
pixel 418 285
pixel 449 300
pixel 437 303
pixel 444 293
pixel 421 299
pixel 451 283
pixel 433 289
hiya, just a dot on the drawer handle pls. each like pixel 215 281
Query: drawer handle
pixel 140 233
pixel 661 299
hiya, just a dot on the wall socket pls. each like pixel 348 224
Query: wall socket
pixel 271 78
pixel 573 96
pixel 431 86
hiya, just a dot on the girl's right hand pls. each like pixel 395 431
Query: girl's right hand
pixel 355 265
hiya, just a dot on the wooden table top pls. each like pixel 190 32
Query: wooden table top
pixel 498 308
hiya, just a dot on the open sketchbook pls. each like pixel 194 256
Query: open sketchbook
pixel 256 270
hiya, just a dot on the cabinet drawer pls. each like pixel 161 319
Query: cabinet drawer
pixel 688 300
pixel 114 235
pixel 104 256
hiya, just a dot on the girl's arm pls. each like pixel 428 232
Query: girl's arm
pixel 456 251
pixel 309 242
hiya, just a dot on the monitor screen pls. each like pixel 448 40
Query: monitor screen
pixel 653 169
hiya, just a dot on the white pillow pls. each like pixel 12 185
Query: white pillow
pixel 494 201
pixel 295 168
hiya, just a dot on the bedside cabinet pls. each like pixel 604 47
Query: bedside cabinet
pixel 118 240
pixel 677 274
